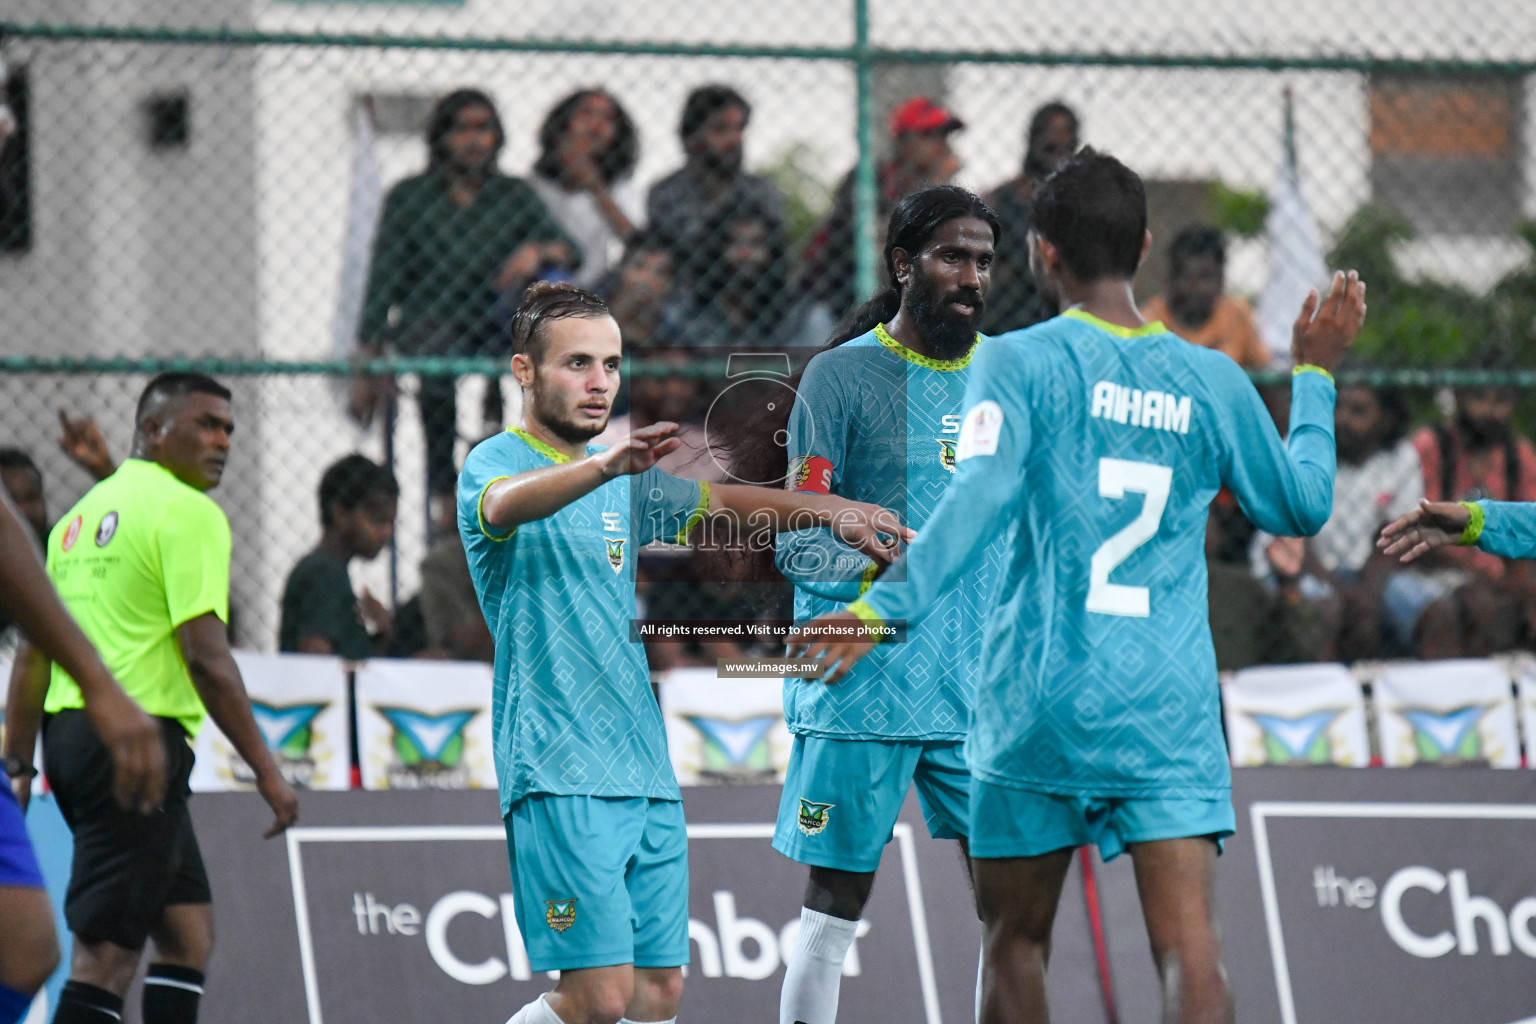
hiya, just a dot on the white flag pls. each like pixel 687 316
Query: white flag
pixel 1295 258
pixel 365 200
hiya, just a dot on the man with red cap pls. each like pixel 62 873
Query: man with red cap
pixel 920 155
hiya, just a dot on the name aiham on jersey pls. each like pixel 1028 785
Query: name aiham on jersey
pixel 1155 410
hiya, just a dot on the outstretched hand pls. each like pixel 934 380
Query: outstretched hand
pixel 841 643
pixel 874 530
pixel 1327 327
pixel 1434 524
pixel 640 451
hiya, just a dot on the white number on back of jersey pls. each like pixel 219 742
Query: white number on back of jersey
pixel 1116 477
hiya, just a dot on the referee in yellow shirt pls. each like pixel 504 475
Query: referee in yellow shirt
pixel 142 562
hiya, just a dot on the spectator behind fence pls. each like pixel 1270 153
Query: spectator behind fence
pixel 920 156
pixel 23 482
pixel 449 241
pixel 587 151
pixel 452 624
pixel 713 181
pixel 1013 301
pixel 1378 480
pixel 1253 623
pixel 639 289
pixel 321 614
pixel 1198 308
pixel 739 293
pixel 1466 602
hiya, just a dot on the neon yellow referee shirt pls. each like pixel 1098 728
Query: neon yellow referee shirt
pixel 138 556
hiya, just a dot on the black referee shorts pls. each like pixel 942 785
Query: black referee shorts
pixel 128 867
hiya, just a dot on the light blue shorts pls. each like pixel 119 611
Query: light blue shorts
pixel 1010 822
pixel 599 881
pixel 842 797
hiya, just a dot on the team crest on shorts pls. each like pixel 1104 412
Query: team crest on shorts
pixel 561 914
pixel 946 452
pixel 615 551
pixel 813 816
pixel 106 529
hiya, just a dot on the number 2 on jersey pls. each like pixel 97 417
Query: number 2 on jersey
pixel 1116 477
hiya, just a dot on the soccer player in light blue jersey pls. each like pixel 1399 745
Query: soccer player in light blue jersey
pixel 593 814
pixel 1503 528
pixel 876 417
pixel 1096 441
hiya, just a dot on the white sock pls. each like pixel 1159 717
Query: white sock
pixel 536 1012
pixel 981 966
pixel 815 971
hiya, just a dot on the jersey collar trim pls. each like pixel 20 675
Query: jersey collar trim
pixel 1155 327
pixel 539 446
pixel 884 337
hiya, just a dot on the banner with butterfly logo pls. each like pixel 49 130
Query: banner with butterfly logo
pixel 425 725
pixel 1296 714
pixel 300 705
pixel 724 731
pixel 1447 712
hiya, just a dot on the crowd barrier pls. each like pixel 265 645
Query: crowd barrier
pixel 1396 714
pixel 427 724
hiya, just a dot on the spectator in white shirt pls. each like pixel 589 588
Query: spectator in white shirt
pixel 588 148
pixel 1378 480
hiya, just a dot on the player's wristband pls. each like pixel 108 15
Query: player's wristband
pixel 867 615
pixel 1475 520
pixel 16 768
pixel 868 579
pixel 1313 368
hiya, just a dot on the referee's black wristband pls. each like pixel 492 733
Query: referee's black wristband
pixel 16 768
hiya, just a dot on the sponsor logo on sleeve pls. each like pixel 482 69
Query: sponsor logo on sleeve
pixel 979 433
pixel 106 529
pixel 811 473
pixel 72 532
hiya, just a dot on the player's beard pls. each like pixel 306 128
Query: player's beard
pixel 949 334
pixel 550 409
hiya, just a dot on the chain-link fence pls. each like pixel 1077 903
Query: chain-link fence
pixel 262 190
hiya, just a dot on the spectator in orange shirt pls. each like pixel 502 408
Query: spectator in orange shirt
pixel 1198 309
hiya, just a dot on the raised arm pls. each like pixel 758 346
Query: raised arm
pixel 874 530
pixel 1287 489
pixel 507 503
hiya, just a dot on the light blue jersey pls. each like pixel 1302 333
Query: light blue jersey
pixel 573 712
pixel 1096 450
pixel 1509 529
pixel 874 421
